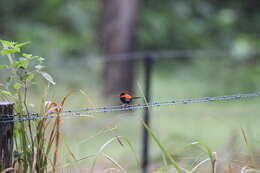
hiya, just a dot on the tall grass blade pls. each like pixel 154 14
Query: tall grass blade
pixel 100 152
pixel 115 163
pixel 7 170
pixel 248 146
pixel 210 153
pixel 106 144
pixel 249 169
pixel 163 149
pixel 111 169
pixel 198 165
pixel 165 163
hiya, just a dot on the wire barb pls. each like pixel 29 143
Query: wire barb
pixel 91 111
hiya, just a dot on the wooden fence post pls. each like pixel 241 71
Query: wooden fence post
pixel 6 135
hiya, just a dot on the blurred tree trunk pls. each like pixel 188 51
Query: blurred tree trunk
pixel 118 28
pixel 251 7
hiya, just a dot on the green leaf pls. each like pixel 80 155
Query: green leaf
pixel 28 56
pixel 7 44
pixel 30 77
pixel 10 51
pixel 22 63
pixel 3 66
pixel 17 86
pixel 22 44
pixel 47 77
pixel 4 92
pixel 39 67
pixel 40 59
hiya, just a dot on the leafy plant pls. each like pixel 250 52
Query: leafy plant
pixel 21 70
pixel 31 147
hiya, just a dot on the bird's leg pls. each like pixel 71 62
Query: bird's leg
pixel 124 105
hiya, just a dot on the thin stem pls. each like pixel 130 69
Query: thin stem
pixel 10 59
pixel 25 98
pixel 27 111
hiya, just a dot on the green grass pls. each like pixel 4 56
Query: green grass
pixel 215 124
pixel 218 124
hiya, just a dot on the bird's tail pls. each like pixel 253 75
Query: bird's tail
pixel 136 97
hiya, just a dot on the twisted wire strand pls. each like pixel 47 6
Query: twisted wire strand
pixel 136 107
pixel 76 110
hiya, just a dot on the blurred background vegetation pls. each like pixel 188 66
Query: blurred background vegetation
pixel 68 34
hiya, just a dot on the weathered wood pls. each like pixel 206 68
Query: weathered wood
pixel 6 135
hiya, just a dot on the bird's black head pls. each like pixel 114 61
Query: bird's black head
pixel 122 94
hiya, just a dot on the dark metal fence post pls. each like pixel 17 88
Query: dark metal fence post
pixel 6 135
pixel 146 118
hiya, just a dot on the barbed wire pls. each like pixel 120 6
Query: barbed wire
pixel 86 111
pixel 153 54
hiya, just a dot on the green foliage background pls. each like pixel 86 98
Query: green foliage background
pixel 68 31
pixel 66 34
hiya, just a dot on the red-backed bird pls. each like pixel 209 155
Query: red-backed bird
pixel 126 98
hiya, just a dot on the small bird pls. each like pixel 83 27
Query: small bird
pixel 126 98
